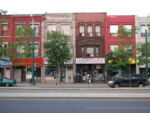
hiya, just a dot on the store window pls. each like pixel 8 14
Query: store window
pixel 81 31
pixel 37 73
pixel 113 30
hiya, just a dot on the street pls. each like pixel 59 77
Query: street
pixel 74 106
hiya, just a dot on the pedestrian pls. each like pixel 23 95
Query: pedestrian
pixel 88 77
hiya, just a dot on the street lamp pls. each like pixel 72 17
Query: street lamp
pixel 33 81
pixel 146 55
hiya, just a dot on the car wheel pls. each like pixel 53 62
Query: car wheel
pixel 7 84
pixel 141 85
pixel 116 85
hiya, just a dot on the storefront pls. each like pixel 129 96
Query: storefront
pixel 23 69
pixel 65 76
pixel 6 69
pixel 92 66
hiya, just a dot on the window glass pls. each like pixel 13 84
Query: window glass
pixel 90 52
pixel 81 31
pixel 113 47
pixel 51 27
pixel 97 51
pixel 4 30
pixel 36 29
pixel 65 29
pixel 97 30
pixel 114 30
pixel 90 31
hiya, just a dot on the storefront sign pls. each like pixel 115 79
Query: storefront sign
pixel 90 60
pixel 98 66
pixel 27 61
pixel 5 63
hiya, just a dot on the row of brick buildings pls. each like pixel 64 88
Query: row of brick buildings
pixel 92 36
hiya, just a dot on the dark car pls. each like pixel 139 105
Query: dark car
pixel 130 80
pixel 4 81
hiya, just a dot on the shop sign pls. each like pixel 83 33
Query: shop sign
pixel 27 61
pixel 98 66
pixel 90 60
pixel 68 62
pixel 5 63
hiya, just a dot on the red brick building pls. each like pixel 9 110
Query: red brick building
pixel 113 24
pixel 6 35
pixel 90 48
pixel 22 65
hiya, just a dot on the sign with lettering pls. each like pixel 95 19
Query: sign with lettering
pixel 5 63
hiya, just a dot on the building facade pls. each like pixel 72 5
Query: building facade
pixel 22 64
pixel 6 36
pixel 142 24
pixel 112 41
pixel 63 22
pixel 90 48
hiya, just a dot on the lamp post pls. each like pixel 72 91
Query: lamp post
pixel 33 81
pixel 146 56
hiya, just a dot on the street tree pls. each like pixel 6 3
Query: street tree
pixel 56 49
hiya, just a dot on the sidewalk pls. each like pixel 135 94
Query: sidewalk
pixel 72 91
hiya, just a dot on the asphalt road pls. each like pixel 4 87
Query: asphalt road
pixel 74 106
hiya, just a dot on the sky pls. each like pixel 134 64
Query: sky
pixel 112 7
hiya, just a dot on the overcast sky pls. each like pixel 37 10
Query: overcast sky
pixel 112 7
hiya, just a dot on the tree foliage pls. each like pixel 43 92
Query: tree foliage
pixel 56 47
pixel 143 50
pixel 118 59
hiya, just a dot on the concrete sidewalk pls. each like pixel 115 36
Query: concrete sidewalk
pixel 73 91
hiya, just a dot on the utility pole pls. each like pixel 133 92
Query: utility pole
pixel 33 81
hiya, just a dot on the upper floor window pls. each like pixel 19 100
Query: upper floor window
pixel 81 31
pixel 20 31
pixel 143 28
pixel 90 51
pixel 51 27
pixel 128 48
pixel 128 29
pixel 97 30
pixel 20 50
pixel 90 31
pixel 4 49
pixel 4 29
pixel 65 29
pixel 35 27
pixel 114 47
pixel 36 48
pixel 114 30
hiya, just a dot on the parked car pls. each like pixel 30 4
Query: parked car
pixel 130 80
pixel 4 81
